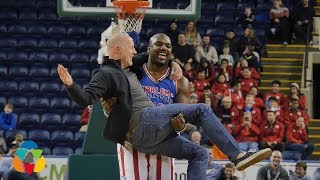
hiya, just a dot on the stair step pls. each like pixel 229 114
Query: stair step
pixel 291 47
pixel 317 144
pixel 314 136
pixel 282 61
pixel 284 82
pixel 314 128
pixel 282 68
pixel 317 153
pixel 281 75
pixel 285 54
pixel 314 123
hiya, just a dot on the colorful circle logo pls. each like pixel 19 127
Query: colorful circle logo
pixel 28 158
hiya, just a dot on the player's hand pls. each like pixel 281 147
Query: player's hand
pixel 176 71
pixel 178 123
pixel 64 75
pixel 108 104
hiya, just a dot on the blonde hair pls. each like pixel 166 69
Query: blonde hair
pixel 192 35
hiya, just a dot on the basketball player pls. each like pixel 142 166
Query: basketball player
pixel 158 86
pixel 147 127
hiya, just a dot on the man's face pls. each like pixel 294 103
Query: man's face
pixel 305 2
pixel 299 122
pixel 224 64
pixel 221 79
pixel 226 50
pixel 250 101
pixel 246 73
pixel 294 105
pixel 127 51
pixel 211 154
pixel 173 26
pixel 247 11
pixel 230 35
pixel 181 39
pixel 253 91
pixel 244 63
pixel 160 49
pixel 273 104
pixel 227 104
pixel 228 172
pixel 196 137
pixel 201 75
pixel 193 100
pixel 271 117
pixel 207 93
pixel 206 40
pixel 275 88
pixel 276 159
pixel 7 109
pixel 300 172
pixel 237 87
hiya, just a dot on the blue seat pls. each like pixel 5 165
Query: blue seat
pixel 71 122
pixel 57 30
pixel 48 43
pixel 226 6
pixel 9 136
pixel 8 88
pixel 25 4
pixel 3 100
pixel 18 102
pixel 68 43
pixel 40 72
pixel 3 56
pixel 37 29
pixel 79 138
pixel 93 57
pixel 73 30
pixel 29 120
pixel 78 151
pixel 28 14
pixel 17 57
pixel 40 4
pixel 41 137
pixel 28 87
pixel 209 6
pixel 3 71
pixel 51 121
pixel 50 88
pixel 57 57
pixel 225 18
pixel 53 72
pixel 88 44
pixel 79 73
pixel 143 46
pixel 62 138
pixel 96 30
pixel 17 29
pixel 262 18
pixel 182 5
pixel 45 150
pixel 35 56
pixel 19 72
pixel 28 43
pixel 3 27
pixel 39 104
pixel 215 32
pixel 60 104
pixel 62 151
pixel 8 13
pixel 79 57
pixel 47 14
pixel 8 43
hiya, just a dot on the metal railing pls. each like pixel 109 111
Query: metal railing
pixel 306 57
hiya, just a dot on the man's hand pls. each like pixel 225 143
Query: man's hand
pixel 299 23
pixel 176 71
pixel 64 75
pixel 178 123
pixel 107 104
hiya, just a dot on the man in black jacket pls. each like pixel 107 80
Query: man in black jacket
pixel 135 119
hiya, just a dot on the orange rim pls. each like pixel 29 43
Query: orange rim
pixel 130 6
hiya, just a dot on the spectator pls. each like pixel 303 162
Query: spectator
pixel 3 145
pixel 227 114
pixel 276 84
pixel 295 93
pixel 244 64
pixel 208 69
pixel 254 90
pixel 247 133
pixel 200 83
pixel 316 174
pixel 247 82
pixel 252 59
pixel 251 108
pixel 196 137
pixel 191 87
pixel 273 170
pixel 7 118
pixel 188 72
pixel 214 170
pixel 225 69
pixel 273 104
pixel 228 172
pixel 226 55
pixel 193 98
pixel 247 18
pixel 173 33
pixel 5 164
pixel 272 133
pixel 231 41
pixel 300 172
pixel 302 20
pixel 13 174
pixel 192 36
pixel 183 52
pixel 297 139
pixel 250 39
pixel 207 97
pixel 85 116
pixel 19 138
pixel 294 112
pixel 207 51
pixel 279 28
pixel 220 86
pixel 235 94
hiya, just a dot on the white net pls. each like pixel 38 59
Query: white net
pixel 130 21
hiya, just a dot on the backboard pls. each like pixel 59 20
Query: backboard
pixel 158 9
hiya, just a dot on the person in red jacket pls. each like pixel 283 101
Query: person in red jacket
pixel 235 93
pixel 244 64
pixel 276 84
pixel 188 72
pixel 247 134
pixel 251 108
pixel 295 93
pixel 85 119
pixel 227 114
pixel 297 139
pixel 247 82
pixel 226 70
pixel 254 90
pixel 220 87
pixel 273 104
pixel 271 133
pixel 291 115
pixel 207 94
pixel 200 83
pixel 208 69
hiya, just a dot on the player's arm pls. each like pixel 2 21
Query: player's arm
pixel 183 91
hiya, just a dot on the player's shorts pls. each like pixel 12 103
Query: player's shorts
pixel 135 165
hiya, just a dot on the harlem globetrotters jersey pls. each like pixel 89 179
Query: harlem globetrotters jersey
pixel 161 91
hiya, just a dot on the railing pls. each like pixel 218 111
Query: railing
pixel 306 57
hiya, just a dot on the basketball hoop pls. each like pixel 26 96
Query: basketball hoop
pixel 130 14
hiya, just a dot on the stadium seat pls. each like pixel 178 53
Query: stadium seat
pixel 73 30
pixel 28 43
pixel 45 150
pixel 17 29
pixel 79 138
pixel 262 18
pixel 48 43
pixel 94 30
pixel 225 18
pixel 62 151
pixel 47 14
pixel 17 58
pixel 71 122
pixel 60 104
pixel 78 151
pixel 29 121
pixel 28 87
pixel 35 56
pixel 51 88
pixel 68 43
pixel 19 103
pixel 57 57
pixel 39 72
pixel 88 44
pixel 53 72
pixel 79 73
pixel 3 72
pixel 37 29
pixel 57 29
pixel 62 138
pixel 143 46
pixel 51 121
pixel 226 6
pixel 19 72
pixel 27 14
pixel 8 42
pixel 39 104
pixel 3 56
pixel 3 100
pixel 8 13
pixel 40 4
pixel 9 136
pixel 25 4
pixel 41 137
pixel 8 88
pixel 79 57
pixel 3 27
